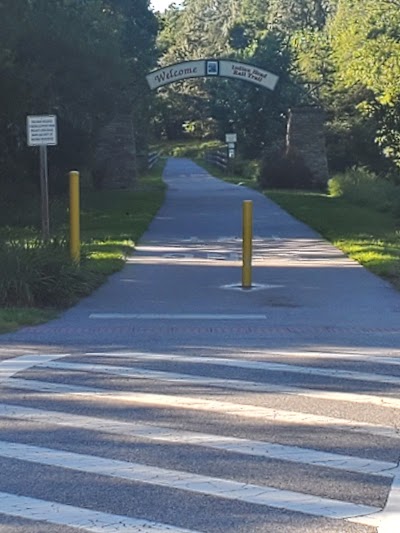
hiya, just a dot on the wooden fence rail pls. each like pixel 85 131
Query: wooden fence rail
pixel 153 158
pixel 219 158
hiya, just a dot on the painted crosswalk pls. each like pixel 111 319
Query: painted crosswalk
pixel 251 493
pixel 202 436
pixel 237 384
pixel 76 393
pixel 224 443
pixel 82 519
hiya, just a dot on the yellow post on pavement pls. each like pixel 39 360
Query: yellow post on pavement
pixel 247 244
pixel 74 217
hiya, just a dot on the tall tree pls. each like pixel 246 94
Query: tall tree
pixel 293 15
pixel 138 29
pixel 366 48
pixel 231 29
pixel 83 60
pixel 200 29
pixel 203 29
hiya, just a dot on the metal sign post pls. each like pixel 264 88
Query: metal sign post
pixel 231 140
pixel 44 190
pixel 42 132
pixel 231 150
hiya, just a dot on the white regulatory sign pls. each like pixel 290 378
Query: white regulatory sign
pixel 230 137
pixel 41 130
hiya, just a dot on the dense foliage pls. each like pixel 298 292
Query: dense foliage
pixel 42 275
pixel 39 274
pixel 83 60
pixel 230 29
pixel 341 54
pixel 86 60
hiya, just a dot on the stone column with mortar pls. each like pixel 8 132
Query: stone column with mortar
pixel 306 137
pixel 115 162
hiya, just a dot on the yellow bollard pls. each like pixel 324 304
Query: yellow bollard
pixel 74 217
pixel 247 245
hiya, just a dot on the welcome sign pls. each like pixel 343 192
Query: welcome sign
pixel 212 68
pixel 180 71
pixel 250 73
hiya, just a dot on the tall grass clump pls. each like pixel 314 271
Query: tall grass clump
pixel 40 274
pixel 359 186
pixel 194 149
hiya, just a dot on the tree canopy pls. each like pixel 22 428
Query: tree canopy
pixel 86 60
pixel 343 55
pixel 83 60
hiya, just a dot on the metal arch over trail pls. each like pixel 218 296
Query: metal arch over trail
pixel 212 68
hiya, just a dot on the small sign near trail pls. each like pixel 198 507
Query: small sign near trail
pixel 42 130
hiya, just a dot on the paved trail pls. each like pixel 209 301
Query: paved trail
pixel 171 400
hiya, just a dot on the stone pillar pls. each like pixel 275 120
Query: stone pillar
pixel 306 137
pixel 115 164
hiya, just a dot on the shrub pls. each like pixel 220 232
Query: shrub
pixel 42 275
pixel 362 187
pixel 193 150
pixel 244 168
pixel 350 141
pixel 237 166
pixel 252 170
pixel 281 170
pixel 24 211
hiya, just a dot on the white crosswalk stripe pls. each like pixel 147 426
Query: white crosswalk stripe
pixel 54 383
pixel 75 393
pixel 257 365
pixel 83 519
pixel 225 443
pixel 237 384
pixel 261 495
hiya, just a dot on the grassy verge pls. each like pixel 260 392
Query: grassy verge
pixel 13 318
pixel 191 148
pixel 370 237
pixel 113 221
pixel 228 175
pixel 40 280
pixel 240 171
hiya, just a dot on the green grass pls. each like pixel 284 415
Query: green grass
pixel 191 148
pixel 113 221
pixel 195 149
pixel 369 236
pixel 227 175
pixel 111 224
pixel 13 318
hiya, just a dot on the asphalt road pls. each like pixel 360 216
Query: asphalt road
pixel 173 400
